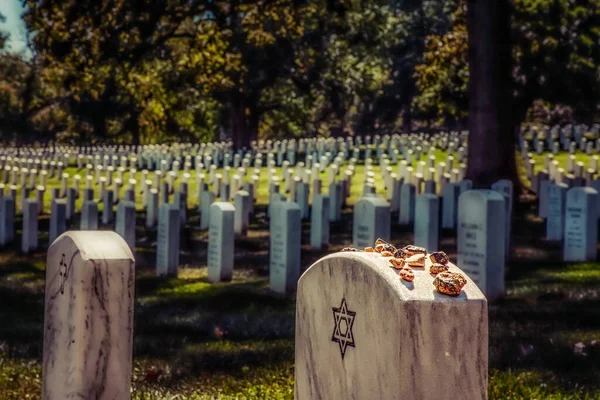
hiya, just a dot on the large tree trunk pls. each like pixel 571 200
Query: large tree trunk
pixel 492 135
pixel 244 128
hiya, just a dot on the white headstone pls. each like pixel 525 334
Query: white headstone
pixel 555 223
pixel 220 242
pixel 427 221
pixel 319 222
pixel 242 201
pixel 363 333
pixel 581 225
pixel 88 325
pixel 505 188
pixel 58 219
pixel 371 221
pixel 125 224
pixel 407 204
pixel 89 216
pixel 284 251
pixel 480 239
pixel 450 194
pixel 167 249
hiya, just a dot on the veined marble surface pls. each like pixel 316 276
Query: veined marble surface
pixel 88 324
pixel 363 333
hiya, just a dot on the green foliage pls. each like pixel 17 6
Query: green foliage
pixel 169 70
pixel 556 58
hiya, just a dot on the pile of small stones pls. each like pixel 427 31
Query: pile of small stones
pixel 409 257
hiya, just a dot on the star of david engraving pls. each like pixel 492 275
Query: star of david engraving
pixel 63 272
pixel 342 329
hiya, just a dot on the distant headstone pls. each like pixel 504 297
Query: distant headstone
pixel 284 251
pixel 351 308
pixel 220 242
pixel 335 201
pixel 480 239
pixel 427 225
pixel 543 199
pixel 58 219
pixel 206 201
pixel 88 354
pixel 407 204
pixel 555 223
pixel 152 208
pixel 29 238
pixel 450 194
pixel 371 221
pixel 125 225
pixel 319 222
pixel 581 225
pixel 167 249
pixel 89 216
pixel 7 220
pixel 505 188
pixel 242 202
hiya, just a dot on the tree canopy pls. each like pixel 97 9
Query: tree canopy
pixel 144 72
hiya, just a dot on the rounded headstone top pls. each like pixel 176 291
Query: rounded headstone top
pixel 95 244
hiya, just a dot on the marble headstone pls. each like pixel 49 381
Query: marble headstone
pixel 363 333
pixel 88 323
pixel 427 222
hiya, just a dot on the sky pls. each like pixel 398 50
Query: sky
pixel 12 10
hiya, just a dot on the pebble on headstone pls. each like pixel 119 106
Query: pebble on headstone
pixel 88 352
pixel 480 239
pixel 284 251
pixel 221 242
pixel 371 221
pixel 363 333
pixel 581 225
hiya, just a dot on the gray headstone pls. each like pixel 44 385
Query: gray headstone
pixel 371 221
pixel 555 223
pixel 29 238
pixel 242 201
pixel 107 208
pixel 543 199
pixel 427 225
pixel 89 216
pixel 167 249
pixel 319 222
pixel 284 251
pixel 505 188
pixel 152 208
pixel 335 201
pixel 351 308
pixel 125 225
pixel 88 354
pixel 480 239
pixel 58 219
pixel 407 204
pixel 581 225
pixel 221 242
pixel 450 194
pixel 206 201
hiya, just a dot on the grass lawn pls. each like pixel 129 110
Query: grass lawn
pixel 195 340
